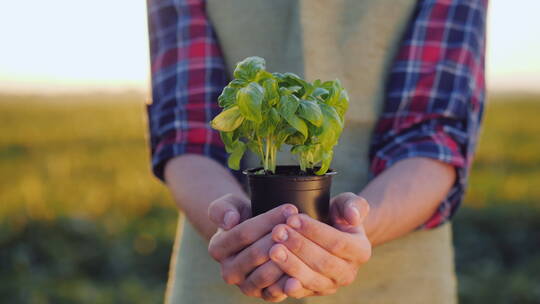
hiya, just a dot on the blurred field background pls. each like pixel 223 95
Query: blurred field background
pixel 83 221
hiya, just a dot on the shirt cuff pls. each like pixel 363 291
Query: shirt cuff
pixel 434 145
pixel 170 146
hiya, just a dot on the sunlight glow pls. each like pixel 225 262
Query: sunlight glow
pixel 63 44
pixel 60 45
pixel 513 53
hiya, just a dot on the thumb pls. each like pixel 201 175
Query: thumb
pixel 349 209
pixel 229 210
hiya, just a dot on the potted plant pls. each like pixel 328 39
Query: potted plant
pixel 261 112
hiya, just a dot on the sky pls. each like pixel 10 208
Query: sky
pixel 64 45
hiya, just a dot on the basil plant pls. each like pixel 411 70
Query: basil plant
pixel 263 110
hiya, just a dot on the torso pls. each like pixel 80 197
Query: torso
pixel 354 41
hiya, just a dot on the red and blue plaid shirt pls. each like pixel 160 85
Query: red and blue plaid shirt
pixel 434 92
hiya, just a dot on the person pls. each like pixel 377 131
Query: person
pixel 414 71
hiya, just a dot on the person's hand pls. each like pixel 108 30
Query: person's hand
pixel 319 258
pixel 241 244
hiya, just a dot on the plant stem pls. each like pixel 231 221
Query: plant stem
pixel 272 156
pixel 260 145
pixel 267 153
pixel 302 162
pixel 274 159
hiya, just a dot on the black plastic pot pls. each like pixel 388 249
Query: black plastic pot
pixel 310 193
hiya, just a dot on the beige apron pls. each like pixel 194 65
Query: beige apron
pixel 355 41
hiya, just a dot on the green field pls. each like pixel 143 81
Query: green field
pixel 83 221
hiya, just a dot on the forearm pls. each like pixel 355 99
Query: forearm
pixel 405 196
pixel 194 182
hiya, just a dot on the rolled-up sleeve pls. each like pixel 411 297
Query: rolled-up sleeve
pixel 435 94
pixel 188 74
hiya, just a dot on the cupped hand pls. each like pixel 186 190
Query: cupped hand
pixel 241 244
pixel 319 258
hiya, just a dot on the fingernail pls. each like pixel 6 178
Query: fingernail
pixel 288 211
pixel 282 235
pixel 280 255
pixel 292 284
pixel 295 223
pixel 355 210
pixel 228 219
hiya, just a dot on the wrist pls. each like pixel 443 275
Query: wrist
pixel 372 222
pixel 195 181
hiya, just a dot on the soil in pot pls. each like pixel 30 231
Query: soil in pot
pixel 307 191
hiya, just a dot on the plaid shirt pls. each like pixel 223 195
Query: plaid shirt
pixel 434 93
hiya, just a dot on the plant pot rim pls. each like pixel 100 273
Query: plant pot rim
pixel 250 173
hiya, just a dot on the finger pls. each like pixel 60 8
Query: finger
pixel 350 247
pixel 314 256
pixel 294 267
pixel 348 209
pixel 262 277
pixel 235 270
pixel 275 292
pixel 227 243
pixel 293 288
pixel 229 210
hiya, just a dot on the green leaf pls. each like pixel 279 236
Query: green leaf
pixel 320 93
pixel 228 120
pixel 311 112
pixel 309 154
pixel 227 97
pixel 342 104
pixel 290 90
pixel 248 68
pixel 326 161
pixel 247 129
pixel 228 141
pixel 238 83
pixel 299 125
pixel 284 134
pixel 288 105
pixel 263 75
pixel 338 98
pixel 299 149
pixel 265 128
pixel 271 91
pixel 327 84
pixel 287 108
pixel 253 146
pixel 278 76
pixel 274 117
pixel 331 114
pixel 294 80
pixel 331 127
pixel 271 123
pixel 296 139
pixel 291 80
pixel 236 155
pixel 249 100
